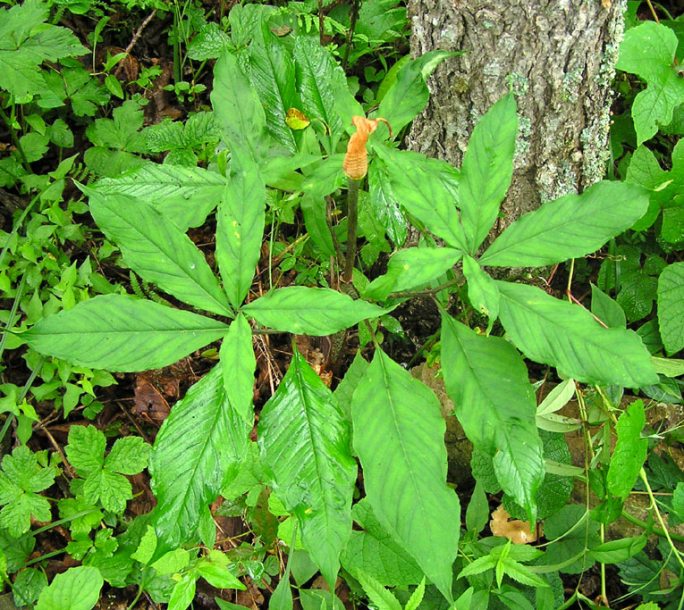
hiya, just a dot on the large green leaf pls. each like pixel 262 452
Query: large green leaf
pixel 384 204
pixel 76 589
pixel 271 70
pixel 487 169
pixel 482 291
pixel 305 441
pixel 648 51
pixel 422 194
pixel 184 195
pixel 238 365
pixel 671 307
pixel 158 251
pixel 317 78
pixel 375 552
pixel 310 311
pixel 630 451
pixel 487 380
pixel 189 460
pixel 567 336
pixel 409 94
pixel 569 227
pixel 122 333
pixel 240 227
pixel 237 107
pixel 399 438
pixel 412 268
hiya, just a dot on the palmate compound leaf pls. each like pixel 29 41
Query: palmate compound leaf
pixel 183 195
pixel 305 440
pixel 159 251
pixel 240 226
pixel 191 457
pixel 566 336
pixel 122 333
pixel 569 227
pixel 399 438
pixel 310 311
pixel 487 380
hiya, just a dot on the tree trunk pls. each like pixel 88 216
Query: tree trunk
pixel 558 56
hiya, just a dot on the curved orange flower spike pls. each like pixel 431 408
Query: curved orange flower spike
pixel 355 163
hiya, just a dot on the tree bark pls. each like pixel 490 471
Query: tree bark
pixel 558 57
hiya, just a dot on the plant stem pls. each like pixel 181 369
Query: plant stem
pixel 15 140
pixel 352 222
pixel 654 530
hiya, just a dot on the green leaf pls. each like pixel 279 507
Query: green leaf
pixel 569 227
pixel 416 597
pixel 75 589
pixel 271 70
pixel 630 451
pixel 158 251
pixel 409 95
pixel 305 440
pixel 381 598
pixel 281 598
pixel 498 421
pixel 147 546
pixel 318 75
pixel 411 269
pixel 129 455
pixel 617 551
pixel 237 107
pixel 384 204
pixel 190 459
pixel 487 169
pixel 401 448
pixel 648 51
pixel 183 195
pixel 86 449
pixel 112 490
pixel 122 333
pixel 172 562
pixel 477 513
pixel 482 291
pixel 522 574
pixel 606 309
pixel 431 200
pixel 183 593
pixel 671 307
pixel 240 227
pixel 566 336
pixel 310 311
pixel 376 553
pixel 237 368
pixel 28 585
pixel 345 388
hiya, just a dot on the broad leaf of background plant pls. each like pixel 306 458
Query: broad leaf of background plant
pixel 25 42
pixel 412 268
pixel 648 51
pixel 375 552
pixel 237 368
pixel 20 480
pixel 630 451
pixel 189 460
pixel 569 227
pixel 310 311
pixel 271 70
pixel 184 195
pixel 409 94
pixel 76 589
pixel 122 333
pixel 487 169
pixel 432 201
pixel 671 307
pixel 240 227
pixel 237 107
pixel 399 437
pixel 317 78
pixel 158 251
pixel 487 380
pixel 566 336
pixel 305 440
pixel 384 204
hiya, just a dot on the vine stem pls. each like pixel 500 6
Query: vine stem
pixel 352 223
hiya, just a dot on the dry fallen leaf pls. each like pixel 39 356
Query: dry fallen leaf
pixel 518 532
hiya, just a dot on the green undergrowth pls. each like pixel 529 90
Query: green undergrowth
pixel 253 263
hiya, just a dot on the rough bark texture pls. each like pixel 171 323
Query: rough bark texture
pixel 558 56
